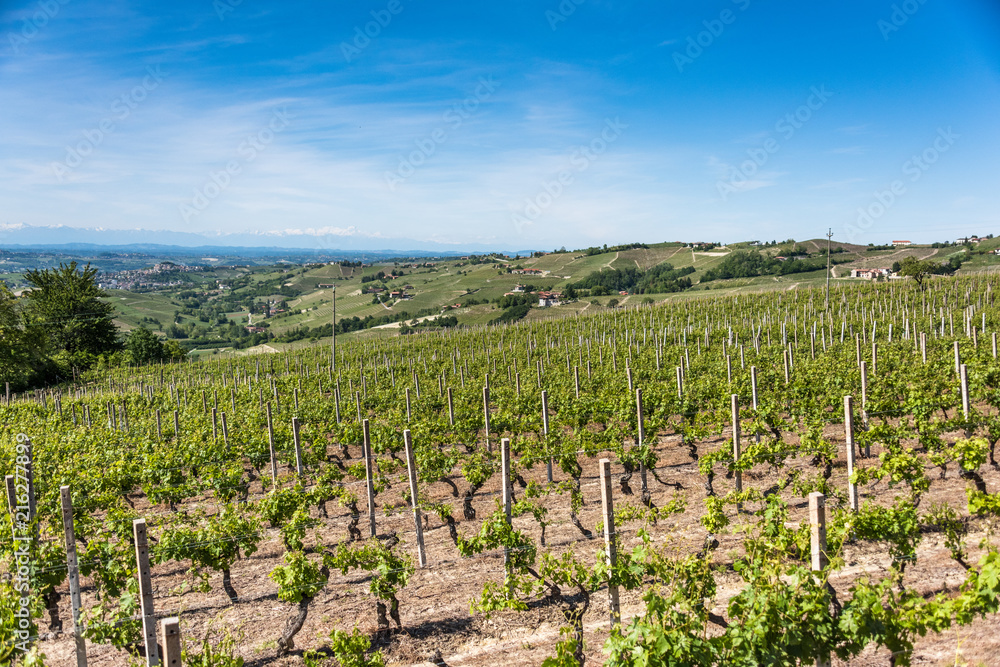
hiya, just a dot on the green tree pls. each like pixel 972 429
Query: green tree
pixel 64 307
pixel 18 356
pixel 915 268
pixel 172 350
pixel 143 346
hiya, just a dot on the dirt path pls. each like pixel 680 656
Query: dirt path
pixel 396 325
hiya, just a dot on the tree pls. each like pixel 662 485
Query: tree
pixel 17 354
pixel 143 346
pixel 172 350
pixel 915 268
pixel 64 307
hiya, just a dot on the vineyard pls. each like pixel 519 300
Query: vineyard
pixel 744 480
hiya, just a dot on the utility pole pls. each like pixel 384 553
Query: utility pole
pixel 334 330
pixel 829 236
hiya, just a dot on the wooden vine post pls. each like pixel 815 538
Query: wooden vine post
pixel 369 477
pixel 170 637
pixel 738 476
pixel 817 522
pixel 964 380
pixel 270 445
pixel 486 417
pixel 411 469
pixel 505 492
pixel 146 592
pixel 641 437
pixel 73 575
pixel 545 433
pixel 852 488
pixel 451 409
pixel 610 538
pixel 298 445
pixel 864 394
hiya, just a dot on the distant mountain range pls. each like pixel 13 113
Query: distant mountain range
pixel 318 242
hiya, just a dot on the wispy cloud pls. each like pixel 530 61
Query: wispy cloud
pixel 354 122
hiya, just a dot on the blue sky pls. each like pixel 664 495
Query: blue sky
pixel 522 124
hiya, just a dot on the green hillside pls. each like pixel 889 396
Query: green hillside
pixel 470 288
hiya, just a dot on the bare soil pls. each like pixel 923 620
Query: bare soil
pixel 438 627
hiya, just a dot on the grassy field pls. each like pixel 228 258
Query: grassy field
pixel 133 307
pixel 477 286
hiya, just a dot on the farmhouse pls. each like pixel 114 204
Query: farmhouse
pixel 870 274
pixel 546 299
pixel 903 244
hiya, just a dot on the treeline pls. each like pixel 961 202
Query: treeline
pixel 346 325
pixel 443 322
pixel 661 279
pixel 600 250
pixel 751 264
pixel 512 314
